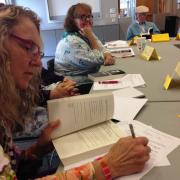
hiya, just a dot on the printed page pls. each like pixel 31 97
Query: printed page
pixel 88 142
pixel 134 80
pixel 129 80
pixel 79 112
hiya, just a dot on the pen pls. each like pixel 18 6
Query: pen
pixel 108 82
pixel 132 130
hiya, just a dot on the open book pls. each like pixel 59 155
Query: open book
pixel 85 129
pixel 148 34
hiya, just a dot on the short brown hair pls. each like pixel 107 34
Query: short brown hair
pixel 72 13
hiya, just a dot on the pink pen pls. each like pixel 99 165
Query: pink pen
pixel 108 82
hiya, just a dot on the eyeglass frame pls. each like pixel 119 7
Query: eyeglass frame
pixel 84 17
pixel 33 46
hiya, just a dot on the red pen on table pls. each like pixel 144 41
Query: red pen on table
pixel 108 82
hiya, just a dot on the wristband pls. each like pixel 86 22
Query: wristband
pixel 105 169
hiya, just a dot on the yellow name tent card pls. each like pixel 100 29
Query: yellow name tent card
pixel 160 37
pixel 150 53
pixel 177 69
pixel 167 81
pixel 169 78
pixel 178 36
pixel 133 41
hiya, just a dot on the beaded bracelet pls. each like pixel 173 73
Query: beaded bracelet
pixel 105 169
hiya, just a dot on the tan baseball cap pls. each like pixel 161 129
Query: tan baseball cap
pixel 142 9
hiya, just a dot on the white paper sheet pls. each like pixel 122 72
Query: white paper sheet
pixel 128 92
pixel 129 80
pixel 125 109
pixel 116 44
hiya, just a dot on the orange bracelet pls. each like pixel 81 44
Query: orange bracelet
pixel 105 169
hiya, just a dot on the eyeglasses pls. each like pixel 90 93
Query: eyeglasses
pixel 30 47
pixel 84 17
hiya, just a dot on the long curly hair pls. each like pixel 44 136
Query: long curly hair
pixel 69 23
pixel 15 103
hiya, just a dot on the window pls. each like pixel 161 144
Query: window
pixel 127 8
pixel 178 4
pixel 58 9
pixel 3 1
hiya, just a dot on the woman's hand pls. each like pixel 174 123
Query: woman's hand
pixel 44 144
pixel 128 156
pixel 45 137
pixel 108 59
pixel 64 89
pixel 88 33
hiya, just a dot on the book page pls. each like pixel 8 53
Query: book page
pixel 79 112
pixel 88 142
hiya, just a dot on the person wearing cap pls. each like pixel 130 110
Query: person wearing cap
pixel 141 25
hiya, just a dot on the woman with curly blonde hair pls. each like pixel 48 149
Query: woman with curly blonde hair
pixel 20 57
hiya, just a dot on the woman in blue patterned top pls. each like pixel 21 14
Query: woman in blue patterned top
pixel 80 52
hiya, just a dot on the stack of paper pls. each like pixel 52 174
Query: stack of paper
pixel 119 48
pixel 122 52
pixel 116 44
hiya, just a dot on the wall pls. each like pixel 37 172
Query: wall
pixel 149 4
pixel 104 33
pixel 162 9
pixel 39 6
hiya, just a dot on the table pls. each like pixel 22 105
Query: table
pixel 164 105
pixel 154 72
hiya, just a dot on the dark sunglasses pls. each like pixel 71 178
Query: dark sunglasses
pixel 30 47
pixel 84 17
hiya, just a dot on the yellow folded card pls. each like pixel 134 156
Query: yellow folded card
pixel 178 36
pixel 177 69
pixel 149 53
pixel 133 41
pixel 160 37
pixel 167 81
